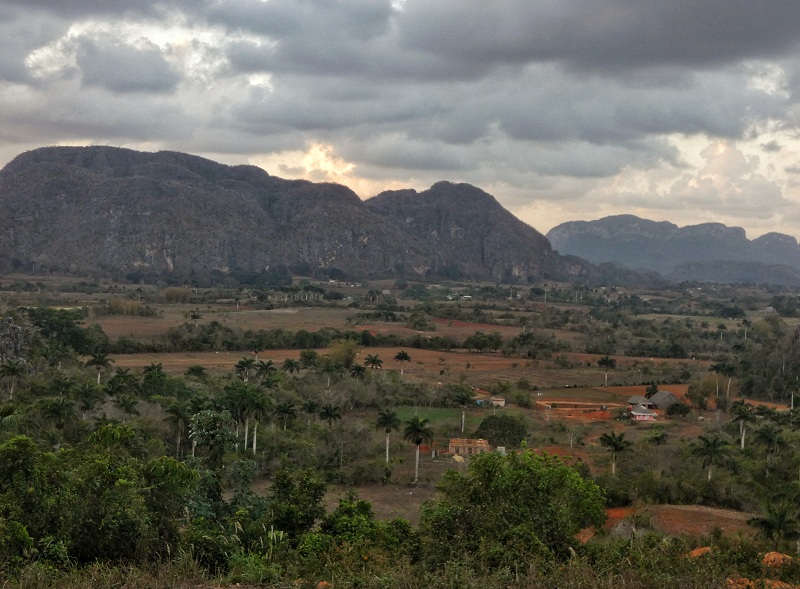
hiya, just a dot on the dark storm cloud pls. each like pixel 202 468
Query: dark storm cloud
pixel 609 35
pixel 311 20
pixel 78 9
pixel 120 67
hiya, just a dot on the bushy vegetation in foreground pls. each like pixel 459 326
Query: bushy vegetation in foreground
pixel 97 516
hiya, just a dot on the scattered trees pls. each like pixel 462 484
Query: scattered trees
pixel 616 444
pixel 388 421
pixel 417 431
pixel 712 450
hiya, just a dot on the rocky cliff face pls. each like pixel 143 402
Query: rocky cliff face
pixel 663 247
pixel 467 230
pixel 111 210
pixel 114 211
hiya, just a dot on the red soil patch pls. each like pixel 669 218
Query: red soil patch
pixel 697 520
pixel 676 520
pixel 615 515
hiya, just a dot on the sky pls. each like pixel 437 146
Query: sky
pixel 680 110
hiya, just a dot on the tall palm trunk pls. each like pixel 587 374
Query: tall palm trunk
pixel 416 466
pixel 387 447
pixel 255 439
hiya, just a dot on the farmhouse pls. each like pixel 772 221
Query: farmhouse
pixel 468 447
pixel 663 400
pixel 640 400
pixel 639 413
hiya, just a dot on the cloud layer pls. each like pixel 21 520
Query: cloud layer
pixel 564 109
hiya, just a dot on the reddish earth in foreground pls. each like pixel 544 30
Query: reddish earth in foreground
pixel 677 520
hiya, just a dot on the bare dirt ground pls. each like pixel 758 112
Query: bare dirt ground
pixel 679 520
pixel 295 318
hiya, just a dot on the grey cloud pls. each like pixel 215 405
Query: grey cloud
pixel 122 68
pixel 607 36
pixel 78 9
pixel 357 20
pixel 19 35
pixel 397 152
pixel 68 115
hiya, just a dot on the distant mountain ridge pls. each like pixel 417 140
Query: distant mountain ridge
pixel 706 252
pixel 116 211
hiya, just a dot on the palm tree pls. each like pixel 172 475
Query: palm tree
pixel 402 357
pixel 728 369
pixel 9 416
pixel 779 522
pixel 286 411
pixel 329 369
pixel 330 413
pixel 744 415
pixel 770 436
pixel 290 366
pixel 616 444
pixel 745 324
pixel 373 361
pixel 721 327
pixel 12 370
pixel 88 396
pixel 310 407
pixel 127 404
pixel 358 371
pixel 717 368
pixel 244 367
pixel 60 412
pixel 388 421
pixel 195 316
pixel 178 416
pixel 239 399
pixel 123 382
pixel 265 368
pixel 713 450
pixel 260 410
pixel 418 432
pixel 609 364
pixel 101 361
pixel 272 380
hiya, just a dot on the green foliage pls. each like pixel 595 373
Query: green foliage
pixel 503 430
pixel 95 501
pixel 296 502
pixel 678 410
pixel 211 431
pixel 509 509
pixel 64 326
